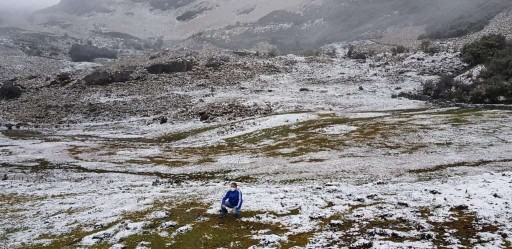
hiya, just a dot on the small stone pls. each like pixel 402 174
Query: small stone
pixel 163 120
pixel 460 207
pixel 435 192
pixel 403 204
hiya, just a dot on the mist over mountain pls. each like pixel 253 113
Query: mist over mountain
pixel 25 5
pixel 77 7
pixel 290 25
pixel 334 21
pixel 347 123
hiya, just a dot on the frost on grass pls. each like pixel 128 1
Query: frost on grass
pixel 353 168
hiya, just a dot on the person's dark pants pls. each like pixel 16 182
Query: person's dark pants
pixel 224 211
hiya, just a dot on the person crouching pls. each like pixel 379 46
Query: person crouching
pixel 232 200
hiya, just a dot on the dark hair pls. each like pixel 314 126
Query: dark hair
pixel 234 183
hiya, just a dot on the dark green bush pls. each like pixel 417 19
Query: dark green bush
pixel 429 48
pixel 499 65
pixel 481 51
pixel 358 55
pixel 493 85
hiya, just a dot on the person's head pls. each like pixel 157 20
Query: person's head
pixel 234 186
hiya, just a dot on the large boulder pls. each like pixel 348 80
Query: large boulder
pixel 170 67
pixel 89 52
pixel 10 90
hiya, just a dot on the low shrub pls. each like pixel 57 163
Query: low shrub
pixel 483 50
pixel 352 53
pixel 399 50
pixel 429 48
pixel 492 86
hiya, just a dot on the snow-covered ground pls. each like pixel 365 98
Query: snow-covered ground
pixel 338 165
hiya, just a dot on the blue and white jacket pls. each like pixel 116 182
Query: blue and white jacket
pixel 234 198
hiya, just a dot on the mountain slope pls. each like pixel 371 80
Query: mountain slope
pixel 334 21
pixel 290 25
pixel 174 20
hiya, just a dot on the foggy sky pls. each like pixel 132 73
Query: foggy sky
pixel 27 5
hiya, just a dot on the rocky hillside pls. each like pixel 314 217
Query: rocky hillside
pixel 289 25
pixel 334 21
pixel 150 18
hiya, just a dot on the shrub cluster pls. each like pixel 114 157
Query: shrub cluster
pixel 493 85
pixel 483 50
pixel 429 48
pixel 358 55
pixel 399 50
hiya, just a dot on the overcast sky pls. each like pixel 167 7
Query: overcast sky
pixel 26 4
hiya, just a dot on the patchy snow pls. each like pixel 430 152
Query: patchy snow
pixel 348 158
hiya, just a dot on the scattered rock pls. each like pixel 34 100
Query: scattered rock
pixel 202 219
pixel 5 178
pixel 361 88
pixel 62 79
pixel 156 183
pixel 426 236
pixel 364 244
pixel 170 67
pixel 97 78
pixel 203 116
pixel 229 111
pixel 184 229
pixel 266 232
pixel 243 53
pixel 403 204
pixel 157 215
pixel 121 76
pixel 168 224
pixel 460 207
pixel 118 246
pixel 102 78
pixel 9 90
pixel 435 192
pixel 386 216
pixel 214 63
pixel 335 224
pixel 102 236
pixel 163 120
